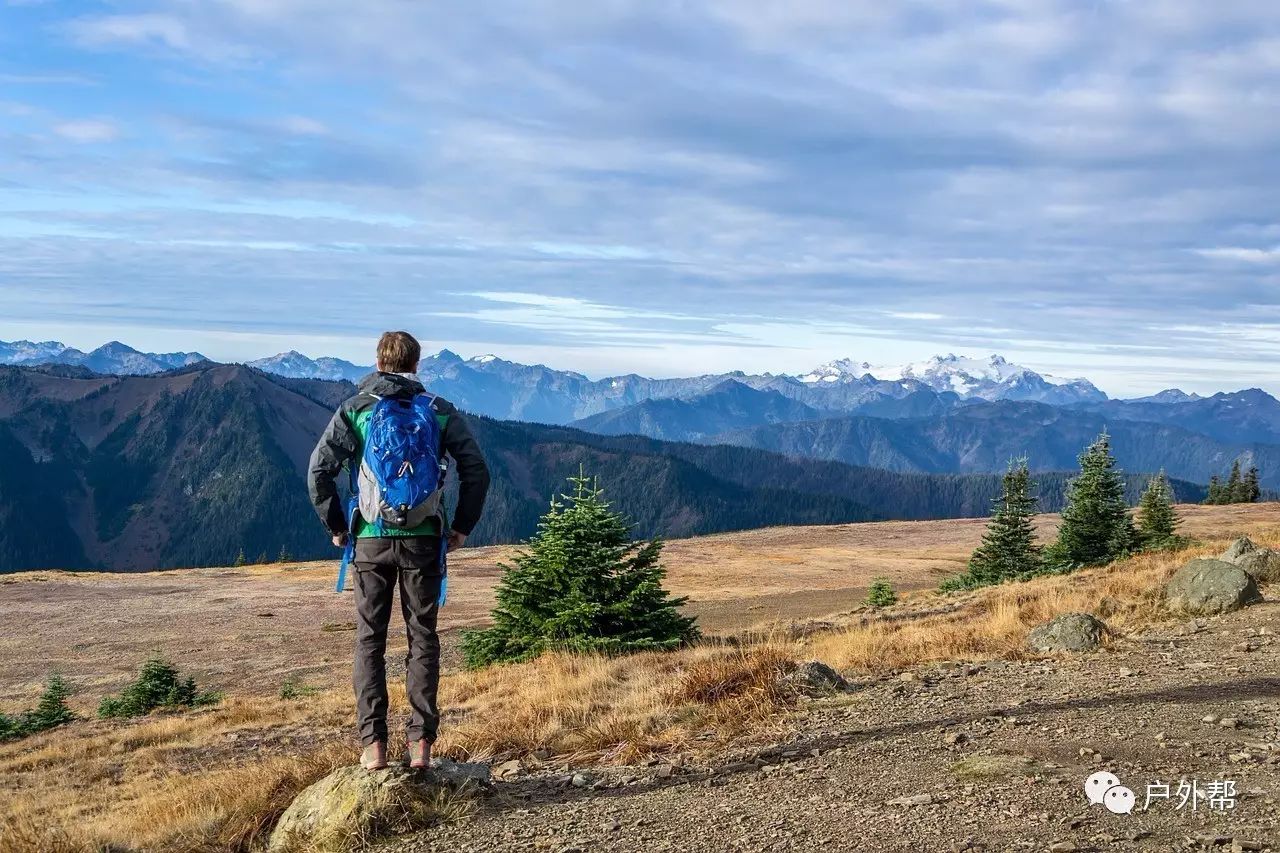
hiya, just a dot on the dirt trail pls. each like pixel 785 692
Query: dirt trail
pixel 991 756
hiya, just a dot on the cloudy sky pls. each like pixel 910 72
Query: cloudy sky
pixel 1090 187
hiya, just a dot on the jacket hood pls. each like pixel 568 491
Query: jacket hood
pixel 390 385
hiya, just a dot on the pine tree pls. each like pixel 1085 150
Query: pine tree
pixel 1096 527
pixel 1252 488
pixel 240 557
pixel 1158 522
pixel 1235 485
pixel 582 584
pixel 283 556
pixel 1008 550
pixel 881 593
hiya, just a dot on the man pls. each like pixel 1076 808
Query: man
pixel 386 554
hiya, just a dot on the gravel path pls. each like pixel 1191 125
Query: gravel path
pixel 958 757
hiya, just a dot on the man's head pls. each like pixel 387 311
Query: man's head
pixel 398 352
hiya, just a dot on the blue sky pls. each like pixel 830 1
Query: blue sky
pixel 666 187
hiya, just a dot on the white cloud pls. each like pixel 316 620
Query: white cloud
pixel 88 130
pixel 1252 256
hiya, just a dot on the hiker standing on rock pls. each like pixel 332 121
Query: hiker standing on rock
pixel 394 437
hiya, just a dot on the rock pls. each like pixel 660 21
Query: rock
pixel 1070 632
pixel 352 802
pixel 1239 548
pixel 1063 847
pixel 815 680
pixel 509 768
pixel 1206 587
pixel 1263 564
pixel 581 780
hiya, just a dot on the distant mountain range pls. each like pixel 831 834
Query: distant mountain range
pixel 503 389
pixel 947 416
pixel 112 358
pixel 192 466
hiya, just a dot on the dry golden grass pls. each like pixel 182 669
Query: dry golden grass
pixel 172 783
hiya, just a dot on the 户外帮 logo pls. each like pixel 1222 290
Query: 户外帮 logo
pixel 1104 789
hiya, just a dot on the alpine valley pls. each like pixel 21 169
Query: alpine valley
pixel 138 460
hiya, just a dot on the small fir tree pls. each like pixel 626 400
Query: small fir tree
pixel 158 686
pixel 1008 550
pixel 582 584
pixel 1252 487
pixel 1096 527
pixel 881 593
pixel 283 556
pixel 240 561
pixel 1158 522
pixel 1217 494
pixel 49 713
pixel 1235 485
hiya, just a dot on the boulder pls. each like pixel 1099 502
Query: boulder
pixel 815 680
pixel 1206 587
pixel 1070 632
pixel 352 805
pixel 1262 563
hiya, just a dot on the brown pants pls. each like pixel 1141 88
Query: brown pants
pixel 379 563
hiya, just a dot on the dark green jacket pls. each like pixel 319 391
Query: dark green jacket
pixel 343 442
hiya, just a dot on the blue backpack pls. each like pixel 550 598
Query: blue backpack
pixel 400 480
pixel 401 477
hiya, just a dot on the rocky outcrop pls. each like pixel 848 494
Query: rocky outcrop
pixel 1262 563
pixel 352 805
pixel 1207 587
pixel 814 680
pixel 1070 632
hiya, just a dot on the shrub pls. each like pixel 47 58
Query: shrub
pixel 881 594
pixel 293 688
pixel 158 686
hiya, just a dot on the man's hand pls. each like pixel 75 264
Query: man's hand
pixel 340 540
pixel 455 540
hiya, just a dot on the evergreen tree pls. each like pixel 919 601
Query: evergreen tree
pixel 1217 494
pixel 1008 550
pixel 1252 488
pixel 881 593
pixel 582 584
pixel 1158 523
pixel 240 557
pixel 1096 527
pixel 1235 485
pixel 283 556
pixel 50 712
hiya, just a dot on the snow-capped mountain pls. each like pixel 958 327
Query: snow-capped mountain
pixel 298 366
pixel 32 352
pixel 112 357
pixel 993 378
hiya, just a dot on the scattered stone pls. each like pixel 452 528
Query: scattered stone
pixel 815 680
pixel 354 802
pixel 581 780
pixel 666 771
pixel 1063 847
pixel 913 800
pixel 509 768
pixel 955 738
pixel 1070 632
pixel 1208 587
pixel 1229 723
